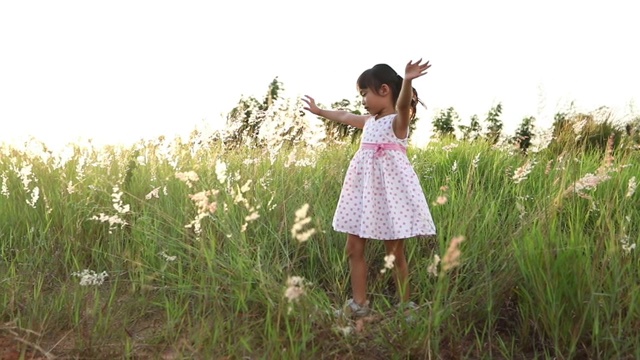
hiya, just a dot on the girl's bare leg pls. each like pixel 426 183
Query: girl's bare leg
pixel 396 247
pixel 358 266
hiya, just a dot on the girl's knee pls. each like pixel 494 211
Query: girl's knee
pixel 394 247
pixel 354 251
pixel 355 247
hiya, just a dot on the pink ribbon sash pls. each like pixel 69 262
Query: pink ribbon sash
pixel 380 148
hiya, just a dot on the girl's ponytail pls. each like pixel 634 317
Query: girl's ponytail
pixel 415 100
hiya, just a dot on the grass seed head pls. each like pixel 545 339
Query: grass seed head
pixel 451 258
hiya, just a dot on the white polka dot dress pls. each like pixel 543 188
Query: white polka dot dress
pixel 381 195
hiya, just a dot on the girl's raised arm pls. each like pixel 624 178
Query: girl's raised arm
pixel 403 105
pixel 340 116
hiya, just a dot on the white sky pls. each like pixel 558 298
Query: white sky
pixel 118 71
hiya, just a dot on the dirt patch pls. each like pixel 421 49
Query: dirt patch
pixel 13 347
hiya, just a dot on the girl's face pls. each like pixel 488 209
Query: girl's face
pixel 375 101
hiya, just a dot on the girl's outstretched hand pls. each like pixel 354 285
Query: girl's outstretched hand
pixel 311 105
pixel 415 70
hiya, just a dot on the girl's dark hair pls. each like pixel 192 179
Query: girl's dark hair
pixel 381 74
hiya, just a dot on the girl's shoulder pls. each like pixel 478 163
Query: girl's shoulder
pixel 369 118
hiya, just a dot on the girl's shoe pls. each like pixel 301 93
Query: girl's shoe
pixel 410 305
pixel 353 309
pixel 408 309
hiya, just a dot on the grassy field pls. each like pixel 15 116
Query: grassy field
pixel 178 250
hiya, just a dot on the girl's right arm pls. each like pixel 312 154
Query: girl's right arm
pixel 340 116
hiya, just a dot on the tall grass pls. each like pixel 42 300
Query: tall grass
pixel 546 271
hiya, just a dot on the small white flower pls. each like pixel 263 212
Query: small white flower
pixel 345 331
pixel 388 263
pixel 441 200
pixel 25 175
pixel 578 126
pixel 271 205
pixel 300 221
pixel 70 188
pixel 291 159
pixel 521 173
pixel 251 217
pixel 153 194
pixel 631 188
pixel 626 247
pixel 589 181
pixel 246 187
pixel 301 213
pixel 433 268
pixel 35 195
pixel 451 258
pixel 116 199
pixel 221 171
pixel 295 288
pixel 167 257
pixel 90 277
pixel 4 190
pixel 304 236
pixel 448 148
pixel 112 220
pixel 188 177
pixel 475 161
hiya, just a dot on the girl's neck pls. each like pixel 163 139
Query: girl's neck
pixel 386 111
pixel 383 114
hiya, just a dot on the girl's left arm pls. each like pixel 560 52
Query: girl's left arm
pixel 403 105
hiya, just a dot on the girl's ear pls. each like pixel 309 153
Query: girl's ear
pixel 384 90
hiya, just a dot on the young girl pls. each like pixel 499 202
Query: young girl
pixel 381 196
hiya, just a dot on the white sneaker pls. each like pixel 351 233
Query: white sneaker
pixel 408 309
pixel 353 309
